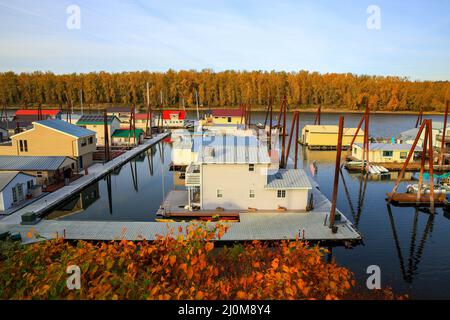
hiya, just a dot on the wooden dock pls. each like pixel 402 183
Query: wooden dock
pixel 270 226
pixel 95 172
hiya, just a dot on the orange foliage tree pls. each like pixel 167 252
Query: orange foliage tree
pixel 181 265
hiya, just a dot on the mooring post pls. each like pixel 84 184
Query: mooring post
pixel 405 164
pixel 336 175
pixel 296 140
pixel 441 156
pixel 106 139
pixel 283 138
pixel 431 164
pixel 291 134
pixel 270 129
pixel 422 163
pixel 419 117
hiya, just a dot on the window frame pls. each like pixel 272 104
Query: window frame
pixel 219 193
pixel 281 193
pixel 391 154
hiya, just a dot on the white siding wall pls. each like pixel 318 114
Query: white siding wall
pixel 236 181
pixel 6 196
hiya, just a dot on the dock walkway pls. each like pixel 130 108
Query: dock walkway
pixel 95 172
pixel 252 226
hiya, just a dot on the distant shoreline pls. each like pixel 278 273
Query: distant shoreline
pixel 141 109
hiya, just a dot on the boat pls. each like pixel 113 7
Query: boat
pixel 164 220
pixel 414 188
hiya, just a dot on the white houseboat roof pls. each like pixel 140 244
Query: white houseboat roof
pixel 288 179
pixel 232 150
pixel 389 146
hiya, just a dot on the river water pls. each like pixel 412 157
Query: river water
pixel 412 248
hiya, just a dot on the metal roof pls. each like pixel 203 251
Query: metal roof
pixel 95 119
pixel 6 178
pixel 125 133
pixel 33 163
pixel 232 149
pixel 227 112
pixel 332 129
pixel 66 127
pixel 389 146
pixel 288 179
pixel 44 112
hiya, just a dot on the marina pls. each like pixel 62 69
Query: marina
pixel 369 216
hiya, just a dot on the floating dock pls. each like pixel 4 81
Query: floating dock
pixel 95 172
pixel 267 226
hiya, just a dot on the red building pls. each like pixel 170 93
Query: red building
pixel 33 114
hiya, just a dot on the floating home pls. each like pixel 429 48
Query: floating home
pixel 384 152
pixel 172 119
pixel 123 137
pixel 46 170
pixel 325 137
pixel 224 116
pixel 236 173
pixel 96 123
pixel 53 138
pixel 33 114
pixel 409 136
pixel 122 113
pixel 13 127
pixel 15 187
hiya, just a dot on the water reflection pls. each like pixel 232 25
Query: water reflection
pixel 77 203
pixel 415 254
pixel 132 192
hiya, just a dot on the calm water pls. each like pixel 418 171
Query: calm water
pixel 410 247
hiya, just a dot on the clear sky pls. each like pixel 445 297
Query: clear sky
pixel 316 35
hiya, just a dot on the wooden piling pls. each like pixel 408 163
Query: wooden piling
pixel 442 151
pixel 431 166
pixel 105 125
pixel 405 164
pixel 336 175
pixel 318 114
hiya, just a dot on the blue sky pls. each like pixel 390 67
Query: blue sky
pixel 316 35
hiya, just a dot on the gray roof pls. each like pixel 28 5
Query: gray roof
pixel 24 163
pixel 231 150
pixel 6 178
pixel 66 127
pixel 288 179
pixel 390 146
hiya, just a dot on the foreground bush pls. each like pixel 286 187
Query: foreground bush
pixel 174 267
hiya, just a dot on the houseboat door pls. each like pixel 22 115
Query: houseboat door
pixel 17 193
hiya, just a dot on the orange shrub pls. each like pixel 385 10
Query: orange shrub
pixel 185 265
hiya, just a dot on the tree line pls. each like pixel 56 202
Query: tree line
pixel 211 89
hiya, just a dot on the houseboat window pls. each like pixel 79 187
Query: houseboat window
pixel 388 153
pixel 91 140
pixel 219 193
pixel 21 145
pixel 25 145
pixel 403 155
pixel 252 194
pixel 281 194
pixel 83 142
pixel 229 119
pixel 251 167
pixel 39 174
pixel 30 184
pixel 355 151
